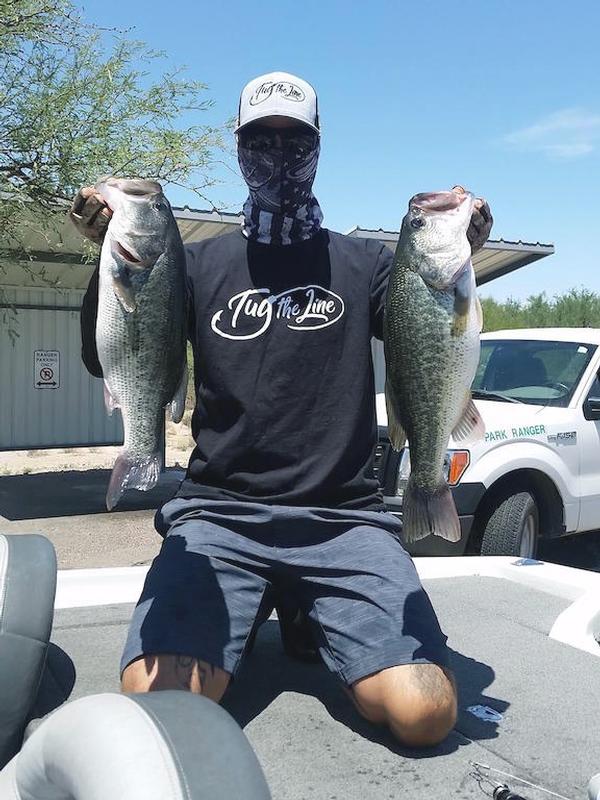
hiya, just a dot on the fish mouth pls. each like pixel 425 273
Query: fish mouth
pixel 126 254
pixel 438 202
pixel 135 189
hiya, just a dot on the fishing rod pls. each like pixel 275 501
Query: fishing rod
pixel 502 791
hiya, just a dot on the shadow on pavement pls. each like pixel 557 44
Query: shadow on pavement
pixel 267 673
pixel 65 494
pixel 581 551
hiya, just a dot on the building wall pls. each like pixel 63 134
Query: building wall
pixel 33 416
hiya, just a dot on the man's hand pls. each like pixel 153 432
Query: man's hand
pixel 90 214
pixel 481 222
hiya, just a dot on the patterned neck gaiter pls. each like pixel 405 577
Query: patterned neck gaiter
pixel 281 208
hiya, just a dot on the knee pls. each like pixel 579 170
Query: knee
pixel 163 672
pixel 419 708
pixel 422 722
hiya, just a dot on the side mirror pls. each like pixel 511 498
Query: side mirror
pixel 591 408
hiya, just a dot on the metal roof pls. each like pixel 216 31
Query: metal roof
pixel 196 225
pixel 497 257
pixel 57 258
pixel 60 255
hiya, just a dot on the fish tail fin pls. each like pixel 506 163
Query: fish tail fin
pixel 470 426
pixel 396 432
pixel 429 513
pixel 130 472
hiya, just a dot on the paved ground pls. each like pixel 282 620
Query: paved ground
pixel 68 507
pixel 303 728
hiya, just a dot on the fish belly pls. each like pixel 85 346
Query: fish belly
pixel 429 374
pixel 142 354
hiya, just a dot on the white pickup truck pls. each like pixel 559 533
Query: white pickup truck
pixel 537 471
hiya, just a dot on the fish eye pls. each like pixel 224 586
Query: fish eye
pixel 417 222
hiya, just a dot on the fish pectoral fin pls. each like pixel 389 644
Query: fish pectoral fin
pixel 109 401
pixel 396 432
pixel 463 294
pixel 124 290
pixel 470 426
pixel 479 312
pixel 177 405
pixel 459 324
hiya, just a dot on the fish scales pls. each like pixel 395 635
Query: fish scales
pixel 141 350
pixel 431 341
pixel 140 329
pixel 429 374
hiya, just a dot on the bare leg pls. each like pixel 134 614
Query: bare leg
pixel 155 673
pixel 416 701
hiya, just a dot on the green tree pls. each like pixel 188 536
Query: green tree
pixel 578 308
pixel 538 312
pixel 498 316
pixel 78 102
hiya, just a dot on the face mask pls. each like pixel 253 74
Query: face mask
pixel 279 167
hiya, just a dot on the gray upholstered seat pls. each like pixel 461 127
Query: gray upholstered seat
pixel 27 589
pixel 159 746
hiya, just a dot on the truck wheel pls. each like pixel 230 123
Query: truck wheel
pixel 512 527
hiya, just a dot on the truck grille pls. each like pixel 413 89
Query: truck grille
pixel 385 464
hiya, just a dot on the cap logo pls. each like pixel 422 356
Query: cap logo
pixel 287 90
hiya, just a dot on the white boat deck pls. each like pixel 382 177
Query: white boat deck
pixel 523 643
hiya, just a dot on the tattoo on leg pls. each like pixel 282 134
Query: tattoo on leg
pixel 203 672
pixel 184 670
pixel 184 667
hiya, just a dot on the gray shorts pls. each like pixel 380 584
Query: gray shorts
pixel 220 560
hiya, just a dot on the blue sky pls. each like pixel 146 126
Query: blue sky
pixel 502 97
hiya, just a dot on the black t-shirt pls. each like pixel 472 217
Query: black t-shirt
pixel 285 400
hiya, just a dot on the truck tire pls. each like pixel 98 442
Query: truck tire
pixel 512 528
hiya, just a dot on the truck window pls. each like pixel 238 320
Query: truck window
pixel 538 372
pixel 595 388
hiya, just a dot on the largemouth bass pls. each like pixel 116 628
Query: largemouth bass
pixel 431 339
pixel 141 326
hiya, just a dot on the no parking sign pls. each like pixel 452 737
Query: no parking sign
pixel 46 369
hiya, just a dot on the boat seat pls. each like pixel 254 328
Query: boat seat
pixel 27 590
pixel 167 745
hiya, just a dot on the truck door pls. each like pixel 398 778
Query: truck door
pixel 589 451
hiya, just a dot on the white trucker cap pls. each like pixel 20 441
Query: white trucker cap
pixel 278 94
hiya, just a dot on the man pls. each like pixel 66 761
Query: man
pixel 278 494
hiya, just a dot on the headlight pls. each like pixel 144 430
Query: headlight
pixel 455 464
pixel 403 472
